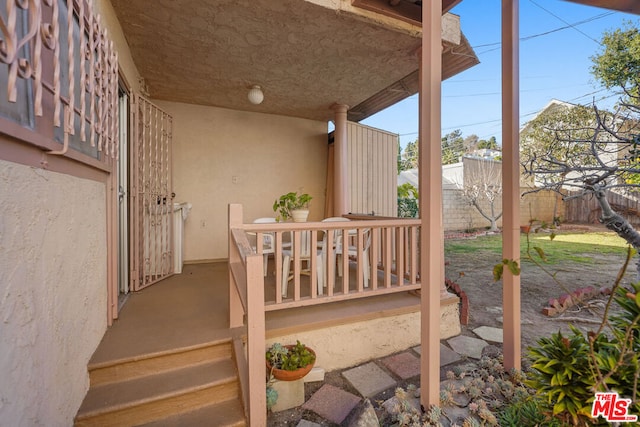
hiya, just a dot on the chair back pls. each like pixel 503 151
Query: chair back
pixel 268 239
pixel 337 234
pixel 264 220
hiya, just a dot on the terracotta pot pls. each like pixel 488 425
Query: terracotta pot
pixel 525 228
pixel 283 375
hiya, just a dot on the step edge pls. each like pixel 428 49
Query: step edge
pixel 157 354
pixel 80 416
pixel 191 364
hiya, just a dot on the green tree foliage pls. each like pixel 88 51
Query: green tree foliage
pixel 407 201
pixel 409 158
pixel 452 147
pixel 490 144
pixel 559 135
pixel 617 64
pixel 407 190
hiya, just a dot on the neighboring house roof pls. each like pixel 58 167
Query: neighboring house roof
pixel 551 105
pixel 554 105
pixel 452 176
pixel 305 54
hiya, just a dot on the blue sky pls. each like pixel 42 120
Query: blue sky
pixel 553 64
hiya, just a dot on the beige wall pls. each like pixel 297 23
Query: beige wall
pixel 52 292
pixel 223 156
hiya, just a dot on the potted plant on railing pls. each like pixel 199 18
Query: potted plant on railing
pixel 289 362
pixel 292 205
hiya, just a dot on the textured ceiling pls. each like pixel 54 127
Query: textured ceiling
pixel 305 56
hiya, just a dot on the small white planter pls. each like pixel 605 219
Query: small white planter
pixel 300 215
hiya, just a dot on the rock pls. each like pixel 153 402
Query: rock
pixel 365 416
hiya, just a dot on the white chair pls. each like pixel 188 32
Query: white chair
pixel 305 255
pixel 268 241
pixel 337 252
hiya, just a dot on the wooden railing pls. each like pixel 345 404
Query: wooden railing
pixel 384 253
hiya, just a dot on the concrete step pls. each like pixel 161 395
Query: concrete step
pixel 154 363
pixel 155 397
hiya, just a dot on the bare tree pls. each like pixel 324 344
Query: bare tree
pixel 600 152
pixel 605 156
pixel 482 188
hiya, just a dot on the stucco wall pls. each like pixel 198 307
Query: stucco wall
pixel 223 156
pixel 350 344
pixel 52 292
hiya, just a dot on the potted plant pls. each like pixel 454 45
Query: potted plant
pixel 289 362
pixel 292 205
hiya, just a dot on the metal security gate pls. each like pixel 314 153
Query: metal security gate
pixel 151 201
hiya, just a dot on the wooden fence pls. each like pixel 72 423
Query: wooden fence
pixel 587 210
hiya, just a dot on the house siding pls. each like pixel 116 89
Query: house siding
pixel 373 170
pixel 52 292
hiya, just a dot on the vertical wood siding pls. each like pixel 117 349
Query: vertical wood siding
pixel 373 170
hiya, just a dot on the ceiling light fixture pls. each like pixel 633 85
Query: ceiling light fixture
pixel 255 95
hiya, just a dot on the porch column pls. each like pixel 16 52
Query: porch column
pixel 341 193
pixel 510 182
pixel 432 235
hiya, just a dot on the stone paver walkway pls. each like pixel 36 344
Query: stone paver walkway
pixel 374 377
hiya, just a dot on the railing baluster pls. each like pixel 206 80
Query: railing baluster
pixel 373 257
pixel 388 250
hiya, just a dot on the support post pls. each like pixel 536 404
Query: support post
pixel 236 311
pixel 256 342
pixel 432 236
pixel 510 182
pixel 341 193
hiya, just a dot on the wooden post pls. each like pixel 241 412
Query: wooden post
pixel 341 196
pixel 430 165
pixel 256 343
pixel 236 312
pixel 510 183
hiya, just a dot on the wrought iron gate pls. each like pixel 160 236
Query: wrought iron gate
pixel 151 203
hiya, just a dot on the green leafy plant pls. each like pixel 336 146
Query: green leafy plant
pixel 616 360
pixel 290 202
pixel 568 371
pixel 560 372
pixel 526 412
pixel 289 358
pixel 407 190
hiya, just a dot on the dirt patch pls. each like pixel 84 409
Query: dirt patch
pixel 536 287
